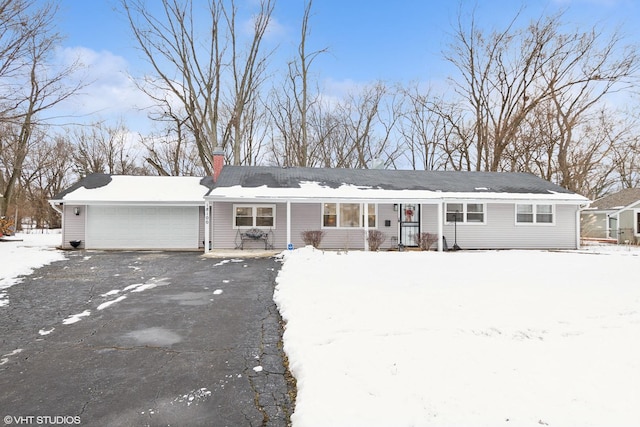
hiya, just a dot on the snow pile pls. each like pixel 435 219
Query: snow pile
pixel 521 338
pixel 21 258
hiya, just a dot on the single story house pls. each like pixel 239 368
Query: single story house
pixel 615 217
pixel 262 206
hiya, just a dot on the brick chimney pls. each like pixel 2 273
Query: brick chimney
pixel 218 163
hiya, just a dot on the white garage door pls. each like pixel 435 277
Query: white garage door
pixel 142 227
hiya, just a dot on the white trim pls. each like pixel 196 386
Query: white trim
pixel 130 203
pixel 253 207
pixel 391 199
pixel 535 223
pixel 636 222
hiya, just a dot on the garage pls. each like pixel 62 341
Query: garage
pixel 142 227
pixel 104 211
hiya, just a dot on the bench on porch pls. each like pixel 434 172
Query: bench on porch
pixel 254 235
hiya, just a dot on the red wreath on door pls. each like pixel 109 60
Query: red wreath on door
pixel 408 213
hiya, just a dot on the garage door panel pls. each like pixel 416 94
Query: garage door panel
pixel 142 227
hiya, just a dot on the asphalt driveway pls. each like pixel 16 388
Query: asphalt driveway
pixel 144 338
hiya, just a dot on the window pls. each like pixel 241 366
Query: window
pixel 524 213
pixel 544 214
pixel 475 212
pixel 455 212
pixel 534 214
pixel 244 216
pixel 347 215
pixel 465 212
pixel 329 215
pixel 248 216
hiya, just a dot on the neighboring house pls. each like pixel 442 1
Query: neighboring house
pixel 615 217
pixel 476 210
pixel 134 212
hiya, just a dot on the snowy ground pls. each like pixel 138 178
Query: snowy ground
pixel 511 338
pixel 514 338
pixel 22 254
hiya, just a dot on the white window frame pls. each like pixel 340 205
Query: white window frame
pixel 254 212
pixel 464 213
pixel 361 216
pixel 534 207
pixel 636 230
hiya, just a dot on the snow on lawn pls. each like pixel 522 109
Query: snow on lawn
pixel 22 255
pixel 478 338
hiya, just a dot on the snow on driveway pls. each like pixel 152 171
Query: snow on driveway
pixel 22 257
pixel 513 338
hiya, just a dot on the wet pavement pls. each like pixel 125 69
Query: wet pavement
pixel 144 339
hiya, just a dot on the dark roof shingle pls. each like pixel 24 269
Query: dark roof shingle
pixel 617 200
pixel 446 181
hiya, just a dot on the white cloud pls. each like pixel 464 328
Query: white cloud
pixel 109 92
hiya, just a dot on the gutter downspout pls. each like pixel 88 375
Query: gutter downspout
pixel 55 207
pixel 289 224
pixel 366 227
pixel 440 227
pixel 61 212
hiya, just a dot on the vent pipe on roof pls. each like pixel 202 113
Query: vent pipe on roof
pixel 218 163
pixel 377 163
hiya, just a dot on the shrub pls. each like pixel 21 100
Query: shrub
pixel 312 237
pixel 376 239
pixel 6 226
pixel 426 240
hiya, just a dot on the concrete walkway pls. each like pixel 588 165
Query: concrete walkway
pixel 145 339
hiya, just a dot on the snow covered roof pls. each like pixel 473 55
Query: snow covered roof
pixel 274 183
pixel 104 188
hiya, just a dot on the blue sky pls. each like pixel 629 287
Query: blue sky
pixel 367 40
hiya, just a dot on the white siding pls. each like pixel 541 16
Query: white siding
pixel 224 236
pixel 304 216
pixel 627 226
pixel 74 225
pixel 501 231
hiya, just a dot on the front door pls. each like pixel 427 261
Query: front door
pixel 409 224
pixel 613 227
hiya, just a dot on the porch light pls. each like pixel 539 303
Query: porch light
pixel 395 207
pixel 76 211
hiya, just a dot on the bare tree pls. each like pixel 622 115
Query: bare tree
pixel 100 148
pixel 370 116
pixel 507 74
pixel 292 105
pixel 434 133
pixel 46 172
pixel 30 83
pixel 172 152
pixel 192 68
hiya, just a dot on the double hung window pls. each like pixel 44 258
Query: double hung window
pixel 529 213
pixel 250 216
pixel 465 212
